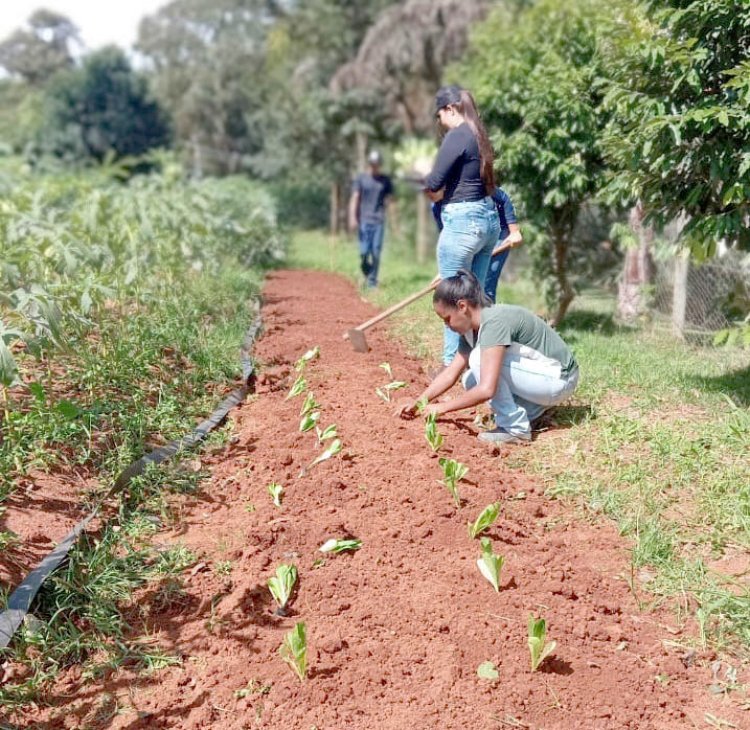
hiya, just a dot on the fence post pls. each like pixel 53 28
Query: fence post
pixel 679 294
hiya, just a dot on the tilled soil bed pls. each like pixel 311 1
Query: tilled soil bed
pixel 396 630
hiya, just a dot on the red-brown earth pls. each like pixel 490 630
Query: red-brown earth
pixel 396 630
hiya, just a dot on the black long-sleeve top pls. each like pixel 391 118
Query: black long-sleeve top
pixel 457 168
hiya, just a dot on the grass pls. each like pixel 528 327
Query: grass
pixel 656 439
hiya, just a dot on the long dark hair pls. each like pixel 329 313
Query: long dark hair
pixel 466 106
pixel 464 285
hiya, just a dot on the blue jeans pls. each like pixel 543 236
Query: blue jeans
pixel 470 232
pixel 370 248
pixel 497 262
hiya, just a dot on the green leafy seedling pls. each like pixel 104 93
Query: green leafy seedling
pixel 385 391
pixel 294 650
pixel 487 670
pixel 421 405
pixel 298 386
pixel 538 647
pixel 335 545
pixel 431 433
pixel 333 449
pixel 490 564
pixel 282 585
pixel 485 520
pixel 387 367
pixel 309 405
pixel 309 421
pixel 453 472
pixel 276 490
pixel 329 432
pixel 310 355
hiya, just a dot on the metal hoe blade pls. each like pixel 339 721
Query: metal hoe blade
pixel 358 340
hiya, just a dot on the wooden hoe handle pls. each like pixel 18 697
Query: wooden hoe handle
pixel 400 305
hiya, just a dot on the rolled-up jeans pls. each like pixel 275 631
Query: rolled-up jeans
pixel 470 231
pixel 527 387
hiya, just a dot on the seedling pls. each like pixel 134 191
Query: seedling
pixel 421 405
pixel 490 564
pixel 281 586
pixel 485 520
pixel 387 367
pixel 309 420
pixel 453 472
pixel 329 432
pixel 487 670
pixel 298 386
pixel 339 546
pixel 431 433
pixel 310 404
pixel 253 687
pixel 332 450
pixel 385 391
pixel 313 354
pixel 275 490
pixel 537 638
pixel 294 650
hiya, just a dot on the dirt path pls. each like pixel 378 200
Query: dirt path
pixel 397 630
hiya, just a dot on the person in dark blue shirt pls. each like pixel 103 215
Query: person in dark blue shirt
pixel 371 195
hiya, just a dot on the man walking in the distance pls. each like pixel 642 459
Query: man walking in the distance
pixel 372 193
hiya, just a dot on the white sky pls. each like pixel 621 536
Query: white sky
pixel 99 21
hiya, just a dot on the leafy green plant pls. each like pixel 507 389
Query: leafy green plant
pixel 329 432
pixel 223 567
pixel 308 421
pixel 282 585
pixel 387 367
pixel 538 647
pixel 335 545
pixel 298 386
pixel 487 670
pixel 332 450
pixel 385 391
pixel 453 472
pixel 276 490
pixel 421 405
pixel 490 564
pixel 310 355
pixel 431 433
pixel 309 405
pixel 294 650
pixel 485 520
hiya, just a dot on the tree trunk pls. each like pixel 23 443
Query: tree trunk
pixel 423 242
pixel 637 270
pixel 565 291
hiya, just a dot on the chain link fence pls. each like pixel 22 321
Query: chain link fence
pixel 697 300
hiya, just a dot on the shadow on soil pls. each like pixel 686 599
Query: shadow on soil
pixel 735 384
pixel 554 665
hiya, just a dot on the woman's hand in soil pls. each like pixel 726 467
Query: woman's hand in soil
pixel 433 409
pixel 406 408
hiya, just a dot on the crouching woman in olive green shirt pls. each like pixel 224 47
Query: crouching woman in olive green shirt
pixel 515 360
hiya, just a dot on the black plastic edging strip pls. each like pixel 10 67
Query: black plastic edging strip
pixel 22 597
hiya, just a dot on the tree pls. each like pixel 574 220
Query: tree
pixel 40 51
pixel 679 134
pixel 543 105
pixel 102 108
pixel 404 54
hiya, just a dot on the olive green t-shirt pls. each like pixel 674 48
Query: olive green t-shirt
pixel 506 324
